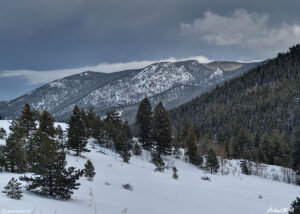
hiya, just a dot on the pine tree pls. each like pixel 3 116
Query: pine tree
pixel 211 164
pixel 192 149
pixel 137 150
pixel 2 133
pixel 175 175
pixel 113 130
pixel 176 145
pixel 162 130
pixel 51 178
pixel 241 140
pixel 126 131
pixel 89 170
pixel 60 136
pixel 2 158
pixel 295 207
pixel 46 124
pixel 14 153
pixel 296 149
pixel 246 167
pixel 157 161
pixel 125 154
pixel 27 120
pixel 32 148
pixel 13 189
pixel 76 133
pixel 144 123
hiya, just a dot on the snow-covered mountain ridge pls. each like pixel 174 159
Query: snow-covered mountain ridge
pixel 172 83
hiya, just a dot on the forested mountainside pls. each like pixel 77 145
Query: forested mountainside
pixel 172 83
pixel 253 115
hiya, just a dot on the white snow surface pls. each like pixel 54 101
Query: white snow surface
pixel 154 192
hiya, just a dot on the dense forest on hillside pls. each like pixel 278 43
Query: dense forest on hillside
pixel 254 115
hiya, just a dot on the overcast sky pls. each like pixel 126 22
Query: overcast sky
pixel 41 40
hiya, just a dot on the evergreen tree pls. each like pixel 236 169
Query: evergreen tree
pixel 89 170
pixel 295 207
pixel 162 130
pixel 46 124
pixel 125 154
pixel 60 136
pixel 32 148
pixel 13 189
pixel 2 133
pixel 296 149
pixel 126 131
pixel 144 123
pixel 27 120
pixel 2 158
pixel 175 175
pixel 113 130
pixel 158 161
pixel 137 150
pixel 211 164
pixel 241 140
pixel 192 149
pixel 76 132
pixel 176 145
pixel 51 178
pixel 246 167
pixel 14 153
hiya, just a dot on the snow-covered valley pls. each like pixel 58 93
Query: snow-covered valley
pixel 154 192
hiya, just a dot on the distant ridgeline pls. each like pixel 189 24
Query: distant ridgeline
pixel 254 115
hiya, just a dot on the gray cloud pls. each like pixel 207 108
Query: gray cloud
pixel 242 28
pixel 37 77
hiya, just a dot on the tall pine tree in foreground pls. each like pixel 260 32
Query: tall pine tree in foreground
pixel 76 132
pixel 14 153
pixel 13 189
pixel 211 164
pixel 144 123
pixel 162 130
pixel 192 149
pixel 51 177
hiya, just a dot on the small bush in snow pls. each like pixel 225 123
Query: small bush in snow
pixel 175 175
pixel 89 170
pixel 13 189
pixel 260 197
pixel 158 162
pixel 205 178
pixel 107 183
pixel 128 187
pixel 137 150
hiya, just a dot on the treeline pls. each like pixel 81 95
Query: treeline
pixel 36 146
pixel 255 116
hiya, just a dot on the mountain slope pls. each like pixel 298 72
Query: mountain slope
pixel 172 83
pixel 156 192
pixel 265 100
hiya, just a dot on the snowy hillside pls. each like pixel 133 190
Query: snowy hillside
pixel 154 192
pixel 172 83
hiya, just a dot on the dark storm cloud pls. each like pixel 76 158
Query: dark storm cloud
pixel 37 35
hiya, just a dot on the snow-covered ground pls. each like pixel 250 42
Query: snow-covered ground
pixel 154 192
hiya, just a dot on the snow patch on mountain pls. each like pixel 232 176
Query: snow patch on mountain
pixel 217 73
